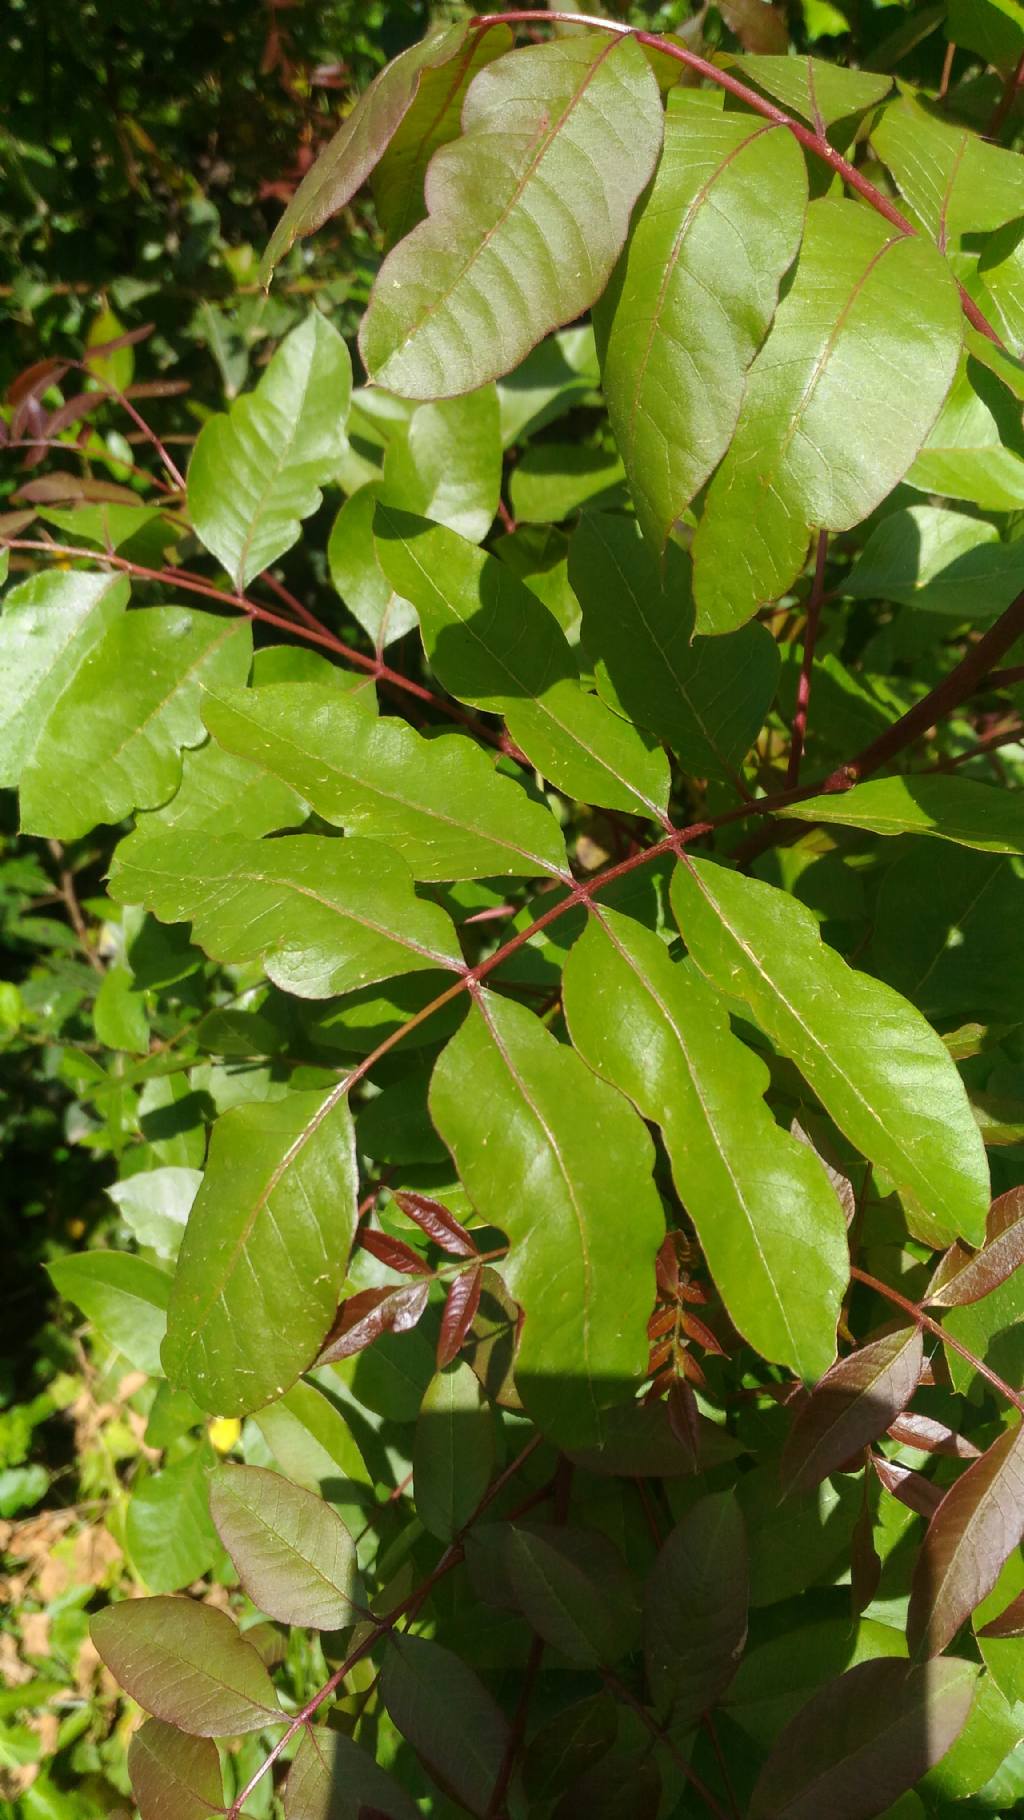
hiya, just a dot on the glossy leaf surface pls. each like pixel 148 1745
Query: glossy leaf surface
pixel 978 1524
pixel 856 1401
pixel 950 808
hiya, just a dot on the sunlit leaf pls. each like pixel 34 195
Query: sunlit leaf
pixel 295 1558
pixel 186 1664
pixel 855 1402
pixel 978 1524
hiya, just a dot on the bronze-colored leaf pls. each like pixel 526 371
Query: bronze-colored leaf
pixel 364 1317
pixel 459 1314
pixel 964 1275
pixel 853 1404
pixel 976 1527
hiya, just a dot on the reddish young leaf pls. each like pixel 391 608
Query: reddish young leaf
pixel 967 1276
pixel 130 338
pixel 364 1317
pixel 696 1329
pixel 158 388
pixel 395 1253
pixel 910 1487
pixel 864 1739
pixel 661 1322
pixel 459 1314
pixel 853 1404
pixel 1010 1623
pixel 976 1527
pixel 931 1437
pixel 28 387
pixel 433 1218
pixel 54 489
pixel 81 405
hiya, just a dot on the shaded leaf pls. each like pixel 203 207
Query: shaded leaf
pixel 295 1558
pixel 528 210
pixel 186 1664
pixel 864 1739
pixel 818 443
pixel 331 1778
pixel 953 181
pixel 518 1111
pixel 911 1488
pixel 695 1611
pixel 174 1777
pixel 891 1086
pixel 257 470
pixel 493 644
pixel 573 1588
pixel 966 1276
pixel 976 1527
pixel 730 190
pixel 438 802
pixel 323 916
pixel 938 561
pixel 855 1403
pixel 567 1745
pixel 265 1251
pixel 453 1452
pixel 707 697
pixel 951 808
pixel 769 1222
pixel 446 1714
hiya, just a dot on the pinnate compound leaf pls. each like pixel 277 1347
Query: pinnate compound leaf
pixel 518 1111
pixel 295 1558
pixel 257 470
pixel 112 740
pixel 186 1664
pixel 174 1777
pixel 975 1529
pixel 968 1276
pixel 855 1403
pixel 323 916
pixel 864 1739
pixel 950 808
pixel 769 1222
pixel 730 193
pixel 877 1067
pixel 438 802
pixel 448 1717
pixel 453 1452
pixel 527 213
pixel 49 627
pixel 362 140
pixel 493 644
pixel 818 443
pixel 331 1778
pixel 123 1295
pixel 265 1251
pixel 574 1590
pixel 707 697
pixel 695 1611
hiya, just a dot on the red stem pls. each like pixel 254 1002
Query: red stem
pixel 812 142
pixel 917 1314
pixel 1011 88
pixel 803 690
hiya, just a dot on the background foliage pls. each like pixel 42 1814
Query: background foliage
pixel 145 164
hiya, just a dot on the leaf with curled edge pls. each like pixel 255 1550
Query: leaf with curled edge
pixel 174 1777
pixel 968 1276
pixel 527 213
pixel 363 1317
pixel 975 1529
pixel 876 1065
pixel 910 1487
pixel 853 1404
pixel 863 1739
pixel 460 1312
pixel 361 141
pixel 186 1664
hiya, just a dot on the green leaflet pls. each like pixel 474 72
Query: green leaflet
pixel 226 795
pixel 878 1068
pixel 1001 273
pixel 264 1253
pixel 445 464
pixel 966 456
pixel 357 575
pixel 939 561
pixel 952 180
pixel 768 1220
pixel 706 697
pixel 453 1453
pixel 821 93
pixel 295 1558
pixel 439 802
pixel 818 443
pixel 187 1664
pixel 528 211
pixel 167 1526
pixel 125 1296
pixel 257 470
pixel 494 645
pixel 173 1774
pixel 951 808
pixel 729 195
pixel 323 916
pixel 543 1147
pixel 112 739
pixel 361 142
pixel 50 625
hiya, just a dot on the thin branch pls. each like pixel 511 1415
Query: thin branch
pixel 803 688
pixel 917 1314
pixel 621 1692
pixel 1009 736
pixel 496 1809
pixel 1011 89
pixel 66 880
pixel 813 142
